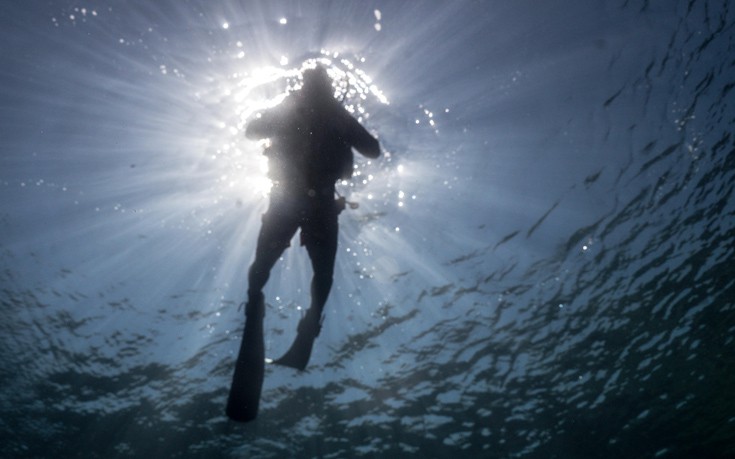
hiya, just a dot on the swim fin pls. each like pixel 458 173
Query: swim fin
pixel 247 381
pixel 299 353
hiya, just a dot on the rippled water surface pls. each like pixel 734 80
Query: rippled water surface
pixel 540 266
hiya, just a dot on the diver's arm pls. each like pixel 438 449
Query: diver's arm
pixel 270 122
pixel 362 140
pixel 259 128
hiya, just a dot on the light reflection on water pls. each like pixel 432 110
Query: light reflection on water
pixel 539 266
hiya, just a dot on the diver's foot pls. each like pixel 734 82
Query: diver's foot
pixel 310 324
pixel 255 307
pixel 298 355
pixel 247 380
pixel 300 351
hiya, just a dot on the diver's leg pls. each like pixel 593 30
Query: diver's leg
pixel 322 254
pixel 247 381
pixel 322 248
pixel 273 240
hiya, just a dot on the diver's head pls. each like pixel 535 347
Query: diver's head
pixel 317 82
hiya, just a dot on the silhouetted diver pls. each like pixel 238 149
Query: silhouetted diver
pixel 311 137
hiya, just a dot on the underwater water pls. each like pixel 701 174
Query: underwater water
pixel 540 266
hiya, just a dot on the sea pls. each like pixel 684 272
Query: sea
pixel 539 264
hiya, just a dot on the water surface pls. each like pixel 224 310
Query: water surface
pixel 540 265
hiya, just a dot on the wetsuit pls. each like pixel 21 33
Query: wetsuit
pixel 312 137
pixel 311 148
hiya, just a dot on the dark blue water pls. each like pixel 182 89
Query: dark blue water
pixel 541 264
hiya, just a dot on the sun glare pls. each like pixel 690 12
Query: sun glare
pixel 234 101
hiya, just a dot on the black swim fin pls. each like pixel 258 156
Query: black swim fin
pixel 247 381
pixel 299 353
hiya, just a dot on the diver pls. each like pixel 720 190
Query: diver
pixel 311 139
